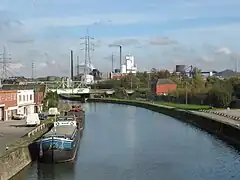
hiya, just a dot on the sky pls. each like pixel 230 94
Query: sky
pixel 159 33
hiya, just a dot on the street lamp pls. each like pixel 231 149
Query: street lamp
pixel 120 52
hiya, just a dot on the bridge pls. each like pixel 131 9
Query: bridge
pixel 87 91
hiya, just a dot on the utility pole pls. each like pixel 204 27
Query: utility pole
pixel 149 79
pixel 88 47
pixel 5 60
pixel 32 70
pixel 186 93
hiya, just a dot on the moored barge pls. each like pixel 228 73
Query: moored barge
pixel 62 142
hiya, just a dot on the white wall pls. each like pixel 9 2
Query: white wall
pixel 130 64
pixel 25 102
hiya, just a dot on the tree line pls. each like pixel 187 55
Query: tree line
pixel 196 89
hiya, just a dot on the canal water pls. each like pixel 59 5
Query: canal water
pixel 129 143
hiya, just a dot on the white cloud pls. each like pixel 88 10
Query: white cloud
pixel 93 19
pixel 162 41
pixel 224 51
pixel 15 66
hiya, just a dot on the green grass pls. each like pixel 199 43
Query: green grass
pixel 170 104
pixel 184 106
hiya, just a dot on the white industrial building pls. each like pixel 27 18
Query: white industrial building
pixel 88 79
pixel 25 102
pixel 129 66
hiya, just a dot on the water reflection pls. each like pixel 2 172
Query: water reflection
pixel 128 143
pixel 38 171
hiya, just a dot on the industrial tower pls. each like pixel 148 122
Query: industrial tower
pixel 5 61
pixel 88 48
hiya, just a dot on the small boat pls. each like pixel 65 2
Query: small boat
pixel 61 143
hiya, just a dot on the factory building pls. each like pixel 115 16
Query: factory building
pixel 129 66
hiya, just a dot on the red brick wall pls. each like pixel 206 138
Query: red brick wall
pixel 38 97
pixel 9 98
pixel 165 88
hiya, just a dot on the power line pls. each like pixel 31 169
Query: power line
pixel 33 67
pixel 5 60
pixel 88 48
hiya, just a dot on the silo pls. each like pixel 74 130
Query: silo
pixel 123 69
pixel 180 68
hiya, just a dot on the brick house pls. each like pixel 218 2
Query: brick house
pixel 163 86
pixel 40 91
pixel 8 104
pixel 39 95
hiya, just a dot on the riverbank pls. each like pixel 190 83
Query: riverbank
pixel 22 152
pixel 222 127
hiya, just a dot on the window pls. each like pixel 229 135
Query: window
pixel 27 97
pixel 20 98
pixel 30 97
pixel 23 97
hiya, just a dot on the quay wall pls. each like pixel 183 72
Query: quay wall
pixel 19 156
pixel 225 131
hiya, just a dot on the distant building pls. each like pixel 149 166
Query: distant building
pixel 8 104
pixel 163 86
pixel 30 97
pixel 116 76
pixel 129 66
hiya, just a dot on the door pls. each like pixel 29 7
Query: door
pixel 1 113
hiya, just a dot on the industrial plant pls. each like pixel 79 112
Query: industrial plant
pixel 129 66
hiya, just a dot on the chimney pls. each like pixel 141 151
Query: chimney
pixel 71 65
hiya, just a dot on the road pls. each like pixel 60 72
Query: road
pixel 11 131
pixel 222 119
pixel 231 112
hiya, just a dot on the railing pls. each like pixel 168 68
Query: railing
pixel 236 118
pixel 36 130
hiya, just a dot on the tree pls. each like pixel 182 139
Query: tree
pixel 219 96
pixel 51 100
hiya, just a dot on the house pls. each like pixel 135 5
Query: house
pixel 25 101
pixel 8 104
pixel 39 91
pixel 39 95
pixel 163 86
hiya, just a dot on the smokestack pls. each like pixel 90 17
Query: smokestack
pixel 78 71
pixel 71 65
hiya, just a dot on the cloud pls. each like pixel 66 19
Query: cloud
pixel 21 40
pixel 49 64
pixel 15 66
pixel 162 41
pixel 125 42
pixel 92 19
pixel 224 51
pixel 12 30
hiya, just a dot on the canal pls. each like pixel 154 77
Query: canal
pixel 130 143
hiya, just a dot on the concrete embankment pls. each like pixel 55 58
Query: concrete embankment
pixel 21 153
pixel 220 127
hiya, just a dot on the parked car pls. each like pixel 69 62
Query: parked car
pixel 18 116
pixel 32 119
pixel 43 116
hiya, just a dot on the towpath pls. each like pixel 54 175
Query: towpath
pixel 225 120
pixel 11 131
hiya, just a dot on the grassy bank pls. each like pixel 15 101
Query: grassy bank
pixel 168 104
